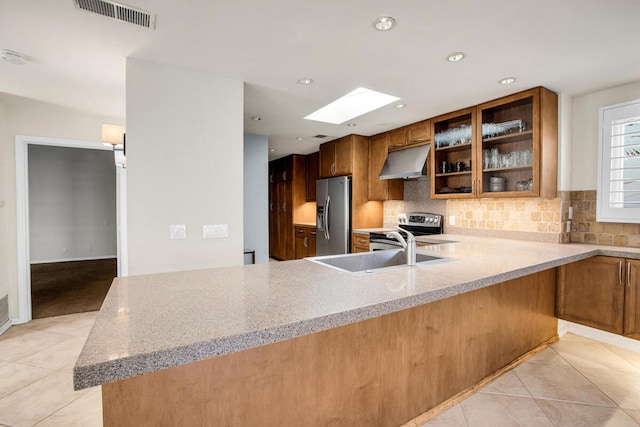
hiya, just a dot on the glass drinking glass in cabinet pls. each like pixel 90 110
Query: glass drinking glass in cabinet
pixel 491 130
pixel 455 136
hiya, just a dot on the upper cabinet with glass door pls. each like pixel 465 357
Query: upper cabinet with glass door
pixel 452 159
pixel 518 145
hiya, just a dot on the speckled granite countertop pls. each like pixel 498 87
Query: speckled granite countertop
pixel 159 321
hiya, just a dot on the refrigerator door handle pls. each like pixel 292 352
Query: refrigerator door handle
pixel 326 218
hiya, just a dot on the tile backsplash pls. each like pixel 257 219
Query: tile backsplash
pixel 520 218
pixel 585 229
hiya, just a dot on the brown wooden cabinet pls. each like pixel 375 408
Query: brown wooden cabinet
pixel 632 299
pixel 350 156
pixel 313 173
pixel 336 157
pixel 359 242
pixel 287 191
pixel 453 155
pixel 591 292
pixel 601 292
pixel 397 138
pixel 510 150
pixel 382 189
pixel 418 133
pixel 305 241
pixel 518 145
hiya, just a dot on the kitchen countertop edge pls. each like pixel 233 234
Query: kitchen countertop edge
pixel 94 374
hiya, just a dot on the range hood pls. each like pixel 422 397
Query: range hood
pixel 407 163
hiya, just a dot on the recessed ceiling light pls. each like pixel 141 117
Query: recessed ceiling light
pixel 351 125
pixel 399 106
pixel 351 105
pixel 299 138
pixel 272 150
pixel 384 23
pixel 256 118
pixel 12 57
pixel 305 81
pixel 507 80
pixel 455 57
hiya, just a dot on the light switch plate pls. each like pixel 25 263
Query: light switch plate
pixel 177 231
pixel 452 220
pixel 215 231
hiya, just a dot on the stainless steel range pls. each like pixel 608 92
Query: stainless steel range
pixel 418 223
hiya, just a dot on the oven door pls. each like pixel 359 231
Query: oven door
pixel 380 242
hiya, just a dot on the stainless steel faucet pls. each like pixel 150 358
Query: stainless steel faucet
pixel 409 245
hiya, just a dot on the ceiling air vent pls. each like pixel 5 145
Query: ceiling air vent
pixel 118 11
pixel 320 136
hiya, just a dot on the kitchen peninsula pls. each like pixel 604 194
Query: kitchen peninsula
pixel 296 342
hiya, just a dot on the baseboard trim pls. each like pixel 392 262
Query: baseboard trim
pixel 95 258
pixel 5 327
pixel 598 335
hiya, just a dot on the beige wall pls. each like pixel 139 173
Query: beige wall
pixel 584 150
pixel 26 117
pixel 184 166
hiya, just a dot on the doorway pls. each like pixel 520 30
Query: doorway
pixel 68 220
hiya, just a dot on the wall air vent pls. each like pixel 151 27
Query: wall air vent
pixel 118 11
pixel 320 136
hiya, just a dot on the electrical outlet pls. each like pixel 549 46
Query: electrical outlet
pixel 177 231
pixel 570 212
pixel 452 220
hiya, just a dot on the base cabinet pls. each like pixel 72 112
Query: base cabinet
pixel 305 242
pixel 359 243
pixel 601 292
pixel 632 299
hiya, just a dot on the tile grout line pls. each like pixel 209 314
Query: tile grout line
pixel 593 384
pixel 581 374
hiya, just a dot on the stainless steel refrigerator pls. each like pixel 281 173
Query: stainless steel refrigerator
pixel 333 215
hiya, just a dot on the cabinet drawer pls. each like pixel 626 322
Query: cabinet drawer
pixel 300 232
pixel 360 240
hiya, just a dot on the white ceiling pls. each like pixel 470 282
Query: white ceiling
pixel 77 59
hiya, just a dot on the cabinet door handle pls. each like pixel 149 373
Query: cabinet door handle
pixel 271 206
pixel 271 178
pixel 420 140
pixel 620 272
pixel 284 175
pixel 628 274
pixel 333 169
pixel 284 206
pixel 304 242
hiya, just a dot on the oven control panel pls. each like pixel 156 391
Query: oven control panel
pixel 420 219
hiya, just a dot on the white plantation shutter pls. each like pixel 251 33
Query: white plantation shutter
pixel 619 163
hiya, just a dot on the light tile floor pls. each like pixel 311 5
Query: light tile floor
pixel 575 382
pixel 36 378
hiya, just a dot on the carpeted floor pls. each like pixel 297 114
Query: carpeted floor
pixel 70 287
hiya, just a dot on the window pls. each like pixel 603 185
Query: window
pixel 619 163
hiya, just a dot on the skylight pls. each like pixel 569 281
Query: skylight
pixel 352 105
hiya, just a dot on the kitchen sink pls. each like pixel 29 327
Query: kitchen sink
pixel 372 262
